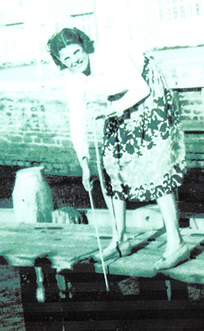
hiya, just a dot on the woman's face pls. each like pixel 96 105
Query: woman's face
pixel 74 57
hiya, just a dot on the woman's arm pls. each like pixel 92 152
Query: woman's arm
pixel 122 76
pixel 79 139
pixel 137 91
pixel 77 115
pixel 78 131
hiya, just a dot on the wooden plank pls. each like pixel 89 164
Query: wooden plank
pixel 194 138
pixel 189 272
pixel 148 248
pixel 141 263
pixel 138 238
pixel 24 244
pixel 138 241
pixel 194 125
pixel 192 108
pixel 200 255
pixel 194 157
pixel 193 239
pixel 135 265
pixel 188 231
pixel 194 144
pixel 195 148
pixel 195 164
pixel 148 217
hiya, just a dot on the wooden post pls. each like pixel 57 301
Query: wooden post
pixel 40 293
pixel 61 285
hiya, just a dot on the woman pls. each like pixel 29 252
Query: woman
pixel 143 151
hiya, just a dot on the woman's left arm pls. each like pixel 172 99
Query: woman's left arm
pixel 137 90
pixel 122 76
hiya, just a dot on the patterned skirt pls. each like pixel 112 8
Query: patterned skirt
pixel 143 153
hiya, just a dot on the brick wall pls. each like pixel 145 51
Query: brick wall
pixel 35 130
pixel 192 107
pixel 192 115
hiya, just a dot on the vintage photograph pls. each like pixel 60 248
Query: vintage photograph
pixel 101 165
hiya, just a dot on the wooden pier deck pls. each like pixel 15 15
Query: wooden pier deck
pixel 65 245
pixel 60 251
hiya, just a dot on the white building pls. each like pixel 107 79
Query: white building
pixel 26 25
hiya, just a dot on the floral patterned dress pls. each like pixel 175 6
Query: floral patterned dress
pixel 143 153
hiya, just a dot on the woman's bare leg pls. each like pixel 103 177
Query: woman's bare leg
pixel 176 250
pixel 117 209
pixel 168 208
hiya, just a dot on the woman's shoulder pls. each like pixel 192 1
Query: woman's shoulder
pixel 113 53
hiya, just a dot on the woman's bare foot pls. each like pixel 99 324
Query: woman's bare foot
pixel 124 248
pixel 179 255
pixel 109 252
pixel 172 246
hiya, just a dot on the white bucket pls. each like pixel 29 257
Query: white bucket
pixel 32 198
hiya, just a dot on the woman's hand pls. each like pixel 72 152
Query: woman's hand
pixel 101 109
pixel 97 109
pixel 86 175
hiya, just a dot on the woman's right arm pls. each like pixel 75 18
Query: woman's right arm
pixel 77 116
pixel 79 140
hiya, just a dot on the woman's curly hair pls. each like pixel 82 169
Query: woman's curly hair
pixel 67 37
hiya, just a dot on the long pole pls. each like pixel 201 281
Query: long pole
pixel 111 205
pixel 98 240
